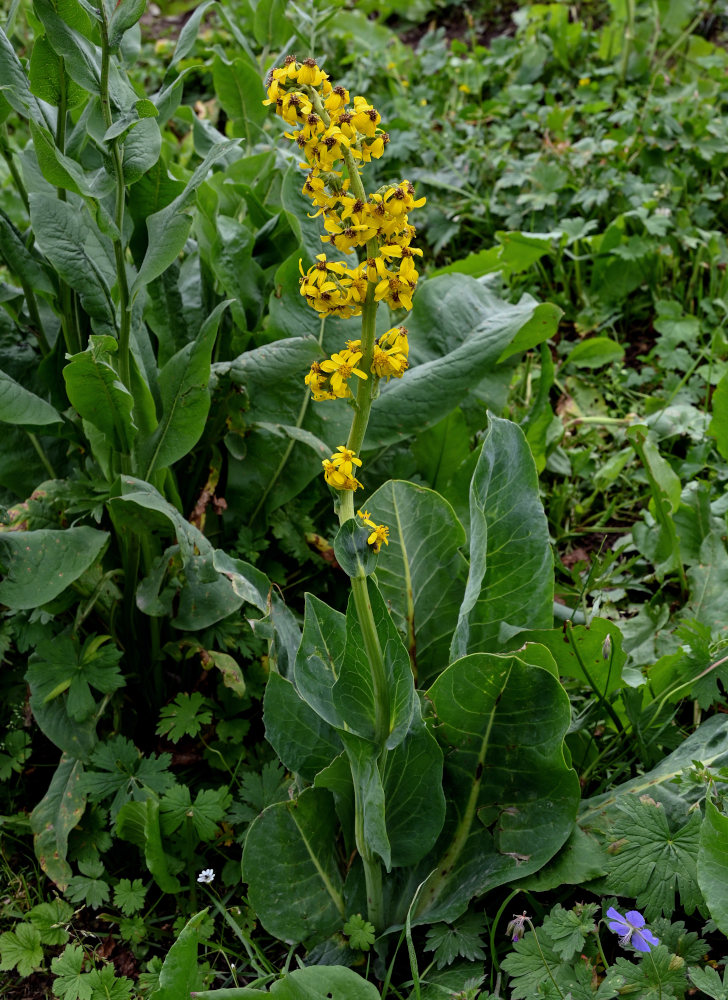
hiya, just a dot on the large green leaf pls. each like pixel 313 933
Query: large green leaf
pixel 39 565
pixel 415 801
pixel 421 573
pixel 81 57
pixel 240 91
pixel 169 227
pixel 57 813
pixel 512 798
pixel 369 795
pixel 184 388
pixel 458 329
pixel 708 744
pixel 353 694
pixel 21 406
pixel 14 83
pixel 180 974
pixel 138 822
pixel 713 864
pixel 317 982
pixel 291 867
pixel 303 741
pixel 96 391
pixel 23 261
pixel 74 245
pixel 319 658
pixel 510 584
pixel 590 653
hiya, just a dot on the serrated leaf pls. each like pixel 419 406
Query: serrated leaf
pixel 464 939
pixel 652 861
pixel 70 982
pixel 206 812
pixel 21 949
pixel 49 919
pixel 655 978
pixel 186 716
pixel 118 771
pixel 129 896
pixel 569 929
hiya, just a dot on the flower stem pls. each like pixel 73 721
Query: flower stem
pixel 118 167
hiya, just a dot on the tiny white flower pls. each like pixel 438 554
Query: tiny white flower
pixel 208 875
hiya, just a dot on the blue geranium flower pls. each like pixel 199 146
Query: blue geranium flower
pixel 631 929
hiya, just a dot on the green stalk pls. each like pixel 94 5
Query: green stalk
pixel 7 154
pixel 69 321
pixel 118 165
pixel 41 454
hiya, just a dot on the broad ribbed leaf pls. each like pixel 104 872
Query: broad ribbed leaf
pixel 458 329
pixel 713 864
pixel 21 406
pixel 512 798
pixel 415 801
pixel 590 653
pixel 421 573
pixel 39 565
pixel 353 694
pixel 510 584
pixel 319 658
pixel 184 388
pixel 291 868
pixel 57 813
pixel 74 245
pixel 303 741
pixel 97 393
pixel 169 227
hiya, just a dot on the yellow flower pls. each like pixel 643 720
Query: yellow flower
pixel 309 74
pixel 584 81
pixel 339 479
pixel 345 460
pixel 364 515
pixel 378 536
pixel 365 118
pixel 342 367
pixel 337 99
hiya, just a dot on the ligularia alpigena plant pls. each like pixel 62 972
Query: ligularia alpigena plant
pixel 336 137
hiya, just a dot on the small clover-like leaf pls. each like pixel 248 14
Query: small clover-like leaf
pixel 21 949
pixel 461 940
pixel 185 716
pixel 105 985
pixel 49 919
pixel 360 932
pixel 129 896
pixel 70 982
pixel 651 860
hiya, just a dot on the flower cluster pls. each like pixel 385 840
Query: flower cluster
pixel 380 532
pixel 330 379
pixel 339 469
pixel 331 130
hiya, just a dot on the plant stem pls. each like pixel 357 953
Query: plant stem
pixel 543 959
pixel 7 155
pixel 118 165
pixel 41 454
